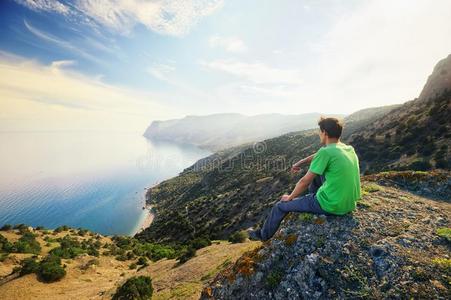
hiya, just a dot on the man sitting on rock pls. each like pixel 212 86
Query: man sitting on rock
pixel 333 182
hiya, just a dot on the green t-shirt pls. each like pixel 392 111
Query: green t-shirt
pixel 340 165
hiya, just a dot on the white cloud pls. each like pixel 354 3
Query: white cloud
pixel 230 44
pixel 46 5
pixel 162 16
pixel 60 42
pixel 259 73
pixel 49 97
pixel 161 71
pixel 58 64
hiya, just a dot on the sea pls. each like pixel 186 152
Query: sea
pixel 92 180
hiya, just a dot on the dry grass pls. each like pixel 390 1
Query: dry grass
pixel 100 280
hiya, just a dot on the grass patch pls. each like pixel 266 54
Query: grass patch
pixel 182 291
pixel 238 237
pixel 443 263
pixel 305 217
pixel 444 233
pixel 273 279
pixel 216 270
pixel 370 188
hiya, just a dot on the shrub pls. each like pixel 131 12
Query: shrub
pixel 61 228
pixel 199 243
pixel 82 232
pixel 27 244
pixel 6 227
pixel 69 248
pixel 142 260
pixel 274 278
pixel 20 226
pixel 132 266
pixel 186 255
pixel 5 245
pixel 420 165
pixel 28 266
pixel 238 237
pixel 3 256
pixel 139 288
pixel 50 269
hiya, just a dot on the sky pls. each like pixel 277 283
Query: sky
pixel 117 65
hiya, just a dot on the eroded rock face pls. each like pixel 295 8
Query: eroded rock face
pixel 439 80
pixel 387 248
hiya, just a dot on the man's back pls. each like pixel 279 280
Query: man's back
pixel 340 165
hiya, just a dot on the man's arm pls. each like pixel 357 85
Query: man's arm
pixel 308 159
pixel 300 187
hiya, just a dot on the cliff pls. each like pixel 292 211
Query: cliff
pixel 395 245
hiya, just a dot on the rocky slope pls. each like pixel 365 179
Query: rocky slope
pixel 439 80
pixel 220 131
pixel 415 135
pixel 396 245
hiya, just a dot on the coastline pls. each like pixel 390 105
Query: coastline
pixel 147 220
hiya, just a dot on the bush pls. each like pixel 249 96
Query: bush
pixel 199 243
pixel 6 227
pixel 3 256
pixel 28 266
pixel 61 228
pixel 142 260
pixel 420 165
pixel 238 237
pixel 82 232
pixel 20 226
pixel 69 248
pixel 5 245
pixel 27 244
pixel 50 269
pixel 139 288
pixel 186 255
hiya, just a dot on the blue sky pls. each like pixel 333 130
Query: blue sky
pixel 120 64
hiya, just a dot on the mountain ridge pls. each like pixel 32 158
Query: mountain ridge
pixel 220 131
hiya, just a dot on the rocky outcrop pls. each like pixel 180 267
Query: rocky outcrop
pixel 393 246
pixel 439 80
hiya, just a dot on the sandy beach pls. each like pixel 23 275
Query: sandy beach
pixel 148 220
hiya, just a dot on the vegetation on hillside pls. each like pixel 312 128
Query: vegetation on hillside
pixel 234 189
pixel 415 136
pixel 135 288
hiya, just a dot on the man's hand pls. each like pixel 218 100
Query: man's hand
pixel 285 198
pixel 295 168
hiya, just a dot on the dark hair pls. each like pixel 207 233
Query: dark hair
pixel 332 126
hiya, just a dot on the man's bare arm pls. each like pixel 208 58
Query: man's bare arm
pixel 308 159
pixel 300 187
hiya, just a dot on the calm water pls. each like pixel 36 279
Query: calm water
pixel 89 180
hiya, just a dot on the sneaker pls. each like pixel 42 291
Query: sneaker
pixel 255 235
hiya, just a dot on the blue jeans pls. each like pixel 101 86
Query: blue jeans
pixel 307 203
